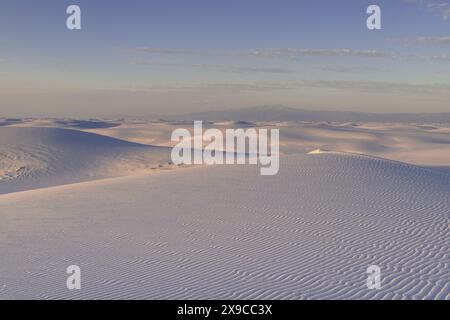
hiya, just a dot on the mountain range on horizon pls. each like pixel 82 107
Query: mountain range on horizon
pixel 284 113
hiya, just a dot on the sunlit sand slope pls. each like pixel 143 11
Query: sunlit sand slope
pixel 226 232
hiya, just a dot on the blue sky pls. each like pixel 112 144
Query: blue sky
pixel 145 58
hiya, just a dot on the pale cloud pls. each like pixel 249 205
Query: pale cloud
pixel 441 7
pixel 343 85
pixel 166 51
pixel 444 40
pixel 443 57
pixel 346 69
pixel 293 53
pixel 287 53
pixel 337 69
pixel 220 68
pixel 434 40
pixel 237 87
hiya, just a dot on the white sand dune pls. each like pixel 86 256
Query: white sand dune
pixel 32 157
pixel 226 232
pixel 416 144
pixel 426 144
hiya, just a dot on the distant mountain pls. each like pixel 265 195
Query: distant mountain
pixel 283 113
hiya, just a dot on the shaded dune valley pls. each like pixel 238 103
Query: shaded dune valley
pixel 92 196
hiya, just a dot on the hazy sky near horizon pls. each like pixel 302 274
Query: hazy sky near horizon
pixel 146 57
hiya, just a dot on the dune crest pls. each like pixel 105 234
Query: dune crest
pixel 319 151
pixel 33 157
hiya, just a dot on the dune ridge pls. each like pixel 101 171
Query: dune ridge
pixel 36 157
